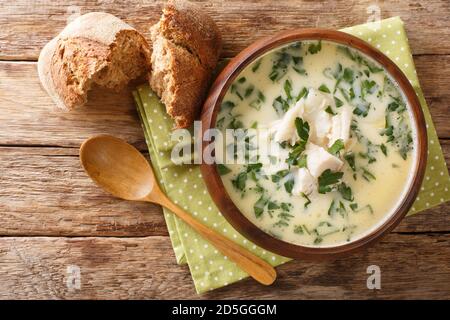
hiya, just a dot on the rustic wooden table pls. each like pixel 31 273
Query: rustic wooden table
pixel 52 217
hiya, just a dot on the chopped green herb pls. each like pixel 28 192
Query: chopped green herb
pixel 348 75
pixel 289 185
pixel 331 208
pixel 302 128
pixel 368 87
pixel 324 88
pixel 272 205
pixel 342 210
pixel 315 48
pixel 330 111
pixel 298 229
pixel 279 175
pixel 350 158
pixel 234 89
pixel 351 93
pixel 223 170
pixel 249 91
pixel 345 191
pixel 254 167
pixel 300 71
pixel 288 88
pixel 280 65
pixel 255 104
pixel 362 109
pixel 297 60
pixel 367 174
pixel 327 179
pixel 338 102
pixel 337 146
pixel 302 93
pixel 302 161
pixel 354 207
pixel 228 104
pixel 261 96
pixel 308 201
pixel 259 206
pixel 256 65
pixel 280 105
pixel 297 149
pixel 383 149
pixel 240 181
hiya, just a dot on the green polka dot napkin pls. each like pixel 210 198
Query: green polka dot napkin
pixel 184 185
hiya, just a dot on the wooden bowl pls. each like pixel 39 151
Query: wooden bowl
pixel 214 182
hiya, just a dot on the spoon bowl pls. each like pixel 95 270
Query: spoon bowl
pixel 117 167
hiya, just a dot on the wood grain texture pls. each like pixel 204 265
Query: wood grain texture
pixel 412 266
pixel 29 117
pixel 44 191
pixel 27 26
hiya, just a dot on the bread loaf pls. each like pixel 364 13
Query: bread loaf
pixel 95 48
pixel 98 48
pixel 186 47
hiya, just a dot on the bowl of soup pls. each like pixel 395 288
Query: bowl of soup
pixel 318 143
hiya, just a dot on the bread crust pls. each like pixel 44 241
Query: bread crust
pixel 84 46
pixel 186 48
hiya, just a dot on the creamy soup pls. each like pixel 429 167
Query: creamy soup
pixel 328 143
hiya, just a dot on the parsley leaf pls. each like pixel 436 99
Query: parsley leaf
pixel 338 102
pixel 223 170
pixel 302 129
pixel 308 201
pixel 383 149
pixel 279 175
pixel 324 88
pixel 259 206
pixel 299 147
pixel 289 185
pixel 327 179
pixel 350 157
pixel 348 75
pixel 315 48
pixel 362 109
pixel 337 146
pixel 345 191
pixel 240 181
pixel 330 111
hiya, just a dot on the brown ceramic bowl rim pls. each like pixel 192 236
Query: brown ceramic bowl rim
pixel 214 182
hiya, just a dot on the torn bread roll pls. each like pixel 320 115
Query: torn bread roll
pixel 96 48
pixel 186 47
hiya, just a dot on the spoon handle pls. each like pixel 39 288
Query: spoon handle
pixel 256 267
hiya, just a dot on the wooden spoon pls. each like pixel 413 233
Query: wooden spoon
pixel 123 171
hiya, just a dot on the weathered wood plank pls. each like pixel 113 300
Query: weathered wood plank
pixel 434 76
pixel 412 266
pixel 44 191
pixel 27 26
pixel 28 117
